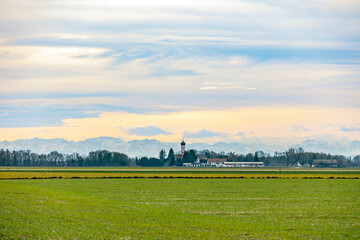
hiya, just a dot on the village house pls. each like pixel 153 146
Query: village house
pixel 325 163
pixel 243 164
pixel 216 162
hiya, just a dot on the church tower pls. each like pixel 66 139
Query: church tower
pixel 182 147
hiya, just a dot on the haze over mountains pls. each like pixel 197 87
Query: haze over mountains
pixel 150 147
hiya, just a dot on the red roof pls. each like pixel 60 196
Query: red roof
pixel 216 160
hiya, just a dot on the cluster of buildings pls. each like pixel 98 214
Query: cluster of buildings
pixel 222 162
pixel 215 162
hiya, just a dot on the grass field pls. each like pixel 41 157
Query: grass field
pixel 34 173
pixel 146 208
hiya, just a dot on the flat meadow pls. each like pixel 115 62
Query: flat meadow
pixel 180 208
pixel 171 172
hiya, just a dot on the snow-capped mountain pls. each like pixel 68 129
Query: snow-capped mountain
pixel 150 147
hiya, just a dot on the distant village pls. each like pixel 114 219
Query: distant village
pixel 203 161
pixel 293 157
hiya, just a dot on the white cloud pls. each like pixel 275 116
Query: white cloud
pixel 301 24
pixel 177 55
pixel 148 131
pixel 88 70
pixel 29 55
pixel 224 86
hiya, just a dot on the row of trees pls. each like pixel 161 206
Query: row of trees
pixel 163 160
pixel 168 160
pixel 97 158
pixel 290 157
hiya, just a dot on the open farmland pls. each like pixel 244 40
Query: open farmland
pixel 145 208
pixel 34 173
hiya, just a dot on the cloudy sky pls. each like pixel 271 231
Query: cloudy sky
pixel 203 70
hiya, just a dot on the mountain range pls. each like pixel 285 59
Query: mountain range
pixel 151 147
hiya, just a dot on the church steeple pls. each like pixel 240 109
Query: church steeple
pixel 182 147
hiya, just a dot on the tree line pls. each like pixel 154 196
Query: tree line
pixel 290 157
pixel 56 159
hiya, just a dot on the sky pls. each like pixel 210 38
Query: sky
pixel 205 71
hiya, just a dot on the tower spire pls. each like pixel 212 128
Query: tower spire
pixel 182 147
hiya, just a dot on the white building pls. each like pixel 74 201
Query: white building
pixel 243 164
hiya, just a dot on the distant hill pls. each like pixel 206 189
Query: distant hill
pixel 150 147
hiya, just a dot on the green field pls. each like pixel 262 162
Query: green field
pixel 171 172
pixel 144 208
